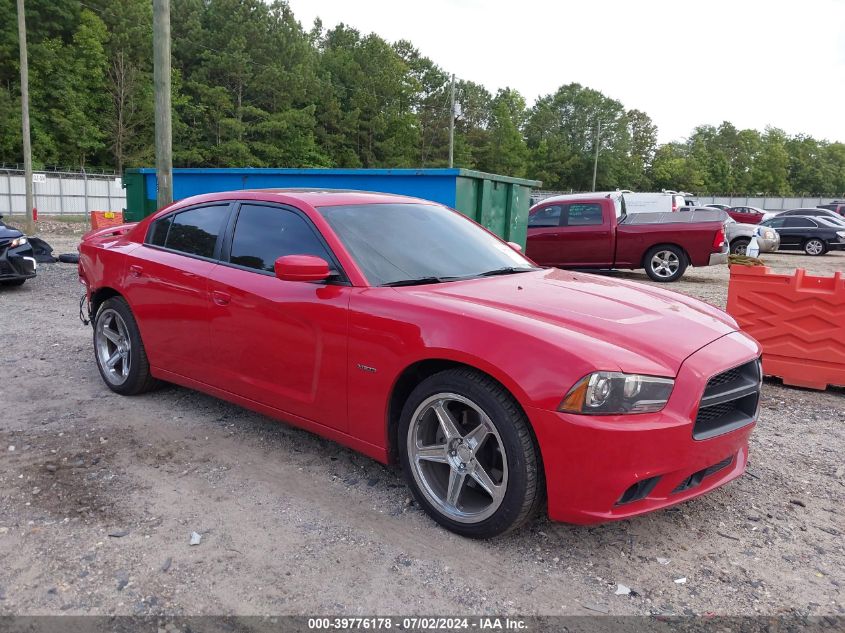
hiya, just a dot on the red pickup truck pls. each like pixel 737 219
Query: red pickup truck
pixel 594 231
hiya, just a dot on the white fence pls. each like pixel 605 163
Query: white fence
pixel 61 193
pixel 769 203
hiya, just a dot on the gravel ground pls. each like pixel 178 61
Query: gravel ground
pixel 99 495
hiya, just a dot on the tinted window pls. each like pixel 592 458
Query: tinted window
pixel 401 241
pixel 195 231
pixel 263 234
pixel 775 223
pixel 583 215
pixel 159 230
pixel 547 216
pixel 803 223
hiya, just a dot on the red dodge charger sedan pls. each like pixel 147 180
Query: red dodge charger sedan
pixel 402 329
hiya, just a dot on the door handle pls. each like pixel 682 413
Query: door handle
pixel 220 298
pixel 135 270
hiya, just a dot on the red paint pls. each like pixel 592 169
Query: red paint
pixel 746 215
pixel 613 245
pixel 304 352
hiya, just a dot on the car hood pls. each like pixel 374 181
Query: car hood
pixel 7 233
pixel 659 327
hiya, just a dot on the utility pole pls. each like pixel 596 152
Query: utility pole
pixel 29 224
pixel 161 86
pixel 452 124
pixel 596 161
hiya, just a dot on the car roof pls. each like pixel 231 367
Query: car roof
pixel 326 197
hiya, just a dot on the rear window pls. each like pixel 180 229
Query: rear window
pixel 799 223
pixel 193 232
pixel 584 215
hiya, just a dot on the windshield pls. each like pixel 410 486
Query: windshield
pixel 394 243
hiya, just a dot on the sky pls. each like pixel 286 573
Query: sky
pixel 685 63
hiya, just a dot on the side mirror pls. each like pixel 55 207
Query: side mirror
pixel 301 268
pixel 515 246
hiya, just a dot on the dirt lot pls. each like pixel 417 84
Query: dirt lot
pixel 99 495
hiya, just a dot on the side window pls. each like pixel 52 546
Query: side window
pixel 776 223
pixel 799 223
pixel 158 232
pixel 195 231
pixel 547 216
pixel 584 215
pixel 263 234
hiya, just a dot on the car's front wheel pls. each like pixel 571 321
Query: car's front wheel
pixel 121 357
pixel 739 246
pixel 815 247
pixel 665 263
pixel 469 455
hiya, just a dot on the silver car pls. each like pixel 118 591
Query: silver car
pixel 739 236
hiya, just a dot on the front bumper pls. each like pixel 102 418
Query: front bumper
pixel 591 462
pixel 768 245
pixel 17 263
pixel 718 258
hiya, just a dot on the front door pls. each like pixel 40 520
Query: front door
pixel 280 343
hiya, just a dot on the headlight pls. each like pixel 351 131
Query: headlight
pixel 611 392
pixel 841 233
pixel 769 234
pixel 18 241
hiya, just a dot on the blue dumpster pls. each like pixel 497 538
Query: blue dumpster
pixel 499 203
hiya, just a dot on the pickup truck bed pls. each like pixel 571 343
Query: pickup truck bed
pixel 593 232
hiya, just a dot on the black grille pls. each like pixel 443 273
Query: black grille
pixel 639 490
pixel 724 378
pixel 695 479
pixel 729 402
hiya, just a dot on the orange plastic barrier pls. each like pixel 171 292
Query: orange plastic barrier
pixel 799 320
pixel 103 219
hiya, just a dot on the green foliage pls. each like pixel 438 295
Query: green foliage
pixel 254 87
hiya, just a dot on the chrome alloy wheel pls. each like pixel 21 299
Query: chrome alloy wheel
pixel 457 458
pixel 114 349
pixel 665 263
pixel 814 247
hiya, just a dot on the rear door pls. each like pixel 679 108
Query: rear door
pixel 795 230
pixel 280 343
pixel 166 286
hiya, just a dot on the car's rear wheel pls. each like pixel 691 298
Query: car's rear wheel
pixel 469 455
pixel 815 247
pixel 739 246
pixel 121 357
pixel 665 263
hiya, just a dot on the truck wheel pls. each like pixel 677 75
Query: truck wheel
pixel 739 245
pixel 665 263
pixel 119 351
pixel 469 455
pixel 815 247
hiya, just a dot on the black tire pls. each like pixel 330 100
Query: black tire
pixel 525 489
pixel 739 245
pixel 676 257
pixel 139 379
pixel 815 247
pixel 13 282
pixel 69 258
